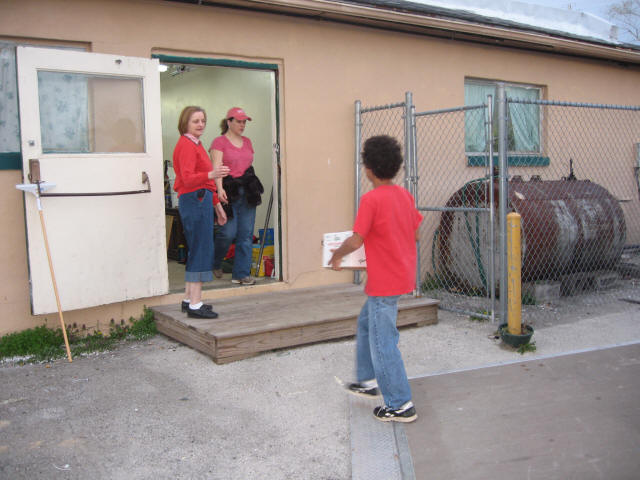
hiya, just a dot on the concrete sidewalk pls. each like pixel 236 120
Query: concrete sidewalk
pixel 568 416
pixel 157 409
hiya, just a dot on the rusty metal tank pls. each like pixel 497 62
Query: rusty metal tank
pixel 567 226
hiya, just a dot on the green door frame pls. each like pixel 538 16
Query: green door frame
pixel 220 62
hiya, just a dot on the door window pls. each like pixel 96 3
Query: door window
pixel 83 113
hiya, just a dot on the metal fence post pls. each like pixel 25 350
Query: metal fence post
pixel 503 200
pixel 492 257
pixel 410 168
pixel 408 173
pixel 358 132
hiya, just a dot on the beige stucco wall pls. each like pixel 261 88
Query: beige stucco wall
pixel 324 68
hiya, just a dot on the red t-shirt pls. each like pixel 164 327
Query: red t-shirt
pixel 237 159
pixel 192 166
pixel 387 220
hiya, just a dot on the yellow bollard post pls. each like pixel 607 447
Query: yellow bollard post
pixel 514 270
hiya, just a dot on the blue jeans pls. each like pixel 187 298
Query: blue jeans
pixel 196 215
pixel 239 227
pixel 377 353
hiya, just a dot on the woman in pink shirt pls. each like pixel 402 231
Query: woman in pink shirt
pixel 240 191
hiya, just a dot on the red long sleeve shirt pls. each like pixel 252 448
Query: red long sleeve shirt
pixel 192 166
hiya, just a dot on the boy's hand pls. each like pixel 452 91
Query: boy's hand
pixel 351 244
pixel 335 261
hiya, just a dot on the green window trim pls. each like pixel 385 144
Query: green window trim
pixel 216 62
pixel 512 160
pixel 10 161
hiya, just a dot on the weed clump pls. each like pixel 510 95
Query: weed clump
pixel 44 344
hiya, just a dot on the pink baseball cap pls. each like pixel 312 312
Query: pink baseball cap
pixel 238 114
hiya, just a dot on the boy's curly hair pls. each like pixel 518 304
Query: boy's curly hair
pixel 382 154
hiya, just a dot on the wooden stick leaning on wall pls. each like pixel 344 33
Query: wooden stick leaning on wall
pixel 53 281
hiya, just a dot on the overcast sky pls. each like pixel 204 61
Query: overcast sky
pixel 596 7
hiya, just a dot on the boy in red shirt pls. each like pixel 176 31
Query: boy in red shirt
pixel 387 223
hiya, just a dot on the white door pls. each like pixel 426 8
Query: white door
pixel 93 123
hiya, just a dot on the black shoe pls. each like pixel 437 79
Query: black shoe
pixel 203 312
pixel 185 306
pixel 362 391
pixel 405 414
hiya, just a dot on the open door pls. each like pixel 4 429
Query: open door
pixel 92 121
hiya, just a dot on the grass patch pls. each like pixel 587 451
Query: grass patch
pixel 431 282
pixel 44 344
pixel 480 318
pixel 528 299
pixel 527 347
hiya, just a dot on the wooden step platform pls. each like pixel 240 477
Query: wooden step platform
pixel 256 323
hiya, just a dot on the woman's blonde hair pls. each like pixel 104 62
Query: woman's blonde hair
pixel 185 115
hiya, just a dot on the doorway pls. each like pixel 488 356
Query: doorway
pixel 216 86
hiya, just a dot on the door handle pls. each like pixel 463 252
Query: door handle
pixel 145 180
pixel 34 170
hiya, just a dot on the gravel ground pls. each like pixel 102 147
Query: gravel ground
pixel 157 409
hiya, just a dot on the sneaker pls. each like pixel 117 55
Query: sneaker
pixel 405 414
pixel 217 273
pixel 204 311
pixel 185 306
pixel 244 281
pixel 362 390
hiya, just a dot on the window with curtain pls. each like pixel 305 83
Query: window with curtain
pixel 9 120
pixel 10 155
pixel 523 120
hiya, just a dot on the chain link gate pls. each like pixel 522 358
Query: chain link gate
pixel 577 190
pixel 458 239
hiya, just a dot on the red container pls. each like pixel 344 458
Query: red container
pixel 268 266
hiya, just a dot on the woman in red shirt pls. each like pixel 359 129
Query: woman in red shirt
pixel 196 199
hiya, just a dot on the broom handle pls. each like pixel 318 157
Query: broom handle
pixel 55 286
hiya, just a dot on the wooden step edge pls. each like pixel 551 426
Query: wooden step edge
pixel 313 322
pixel 187 335
pixel 335 330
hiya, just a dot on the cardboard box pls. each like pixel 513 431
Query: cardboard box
pixel 331 241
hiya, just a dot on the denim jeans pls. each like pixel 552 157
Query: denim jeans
pixel 377 353
pixel 240 227
pixel 196 215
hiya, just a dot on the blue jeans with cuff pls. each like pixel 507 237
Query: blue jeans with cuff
pixel 196 215
pixel 377 353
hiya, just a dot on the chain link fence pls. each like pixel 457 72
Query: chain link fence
pixel 379 120
pixel 572 171
pixel 579 199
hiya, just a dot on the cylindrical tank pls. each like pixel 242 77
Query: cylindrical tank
pixel 567 226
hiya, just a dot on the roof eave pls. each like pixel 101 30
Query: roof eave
pixel 435 25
